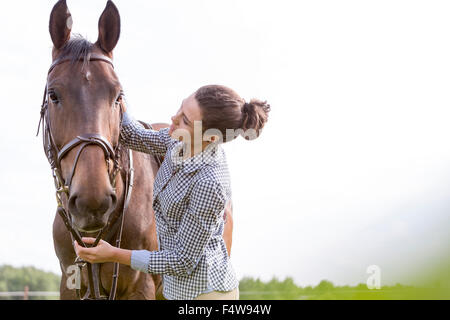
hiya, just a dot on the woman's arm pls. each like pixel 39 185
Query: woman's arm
pixel 136 137
pixel 160 125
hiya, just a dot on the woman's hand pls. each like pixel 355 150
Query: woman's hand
pixel 103 252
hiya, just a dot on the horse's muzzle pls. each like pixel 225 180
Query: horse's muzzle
pixel 89 212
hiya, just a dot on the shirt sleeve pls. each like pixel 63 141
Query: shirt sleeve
pixel 136 137
pixel 197 226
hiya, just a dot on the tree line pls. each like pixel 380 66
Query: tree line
pixel 255 289
pixel 15 279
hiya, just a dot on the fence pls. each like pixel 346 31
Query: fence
pixel 26 293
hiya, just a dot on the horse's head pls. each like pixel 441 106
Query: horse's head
pixel 83 98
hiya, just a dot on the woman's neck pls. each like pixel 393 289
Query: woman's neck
pixel 195 151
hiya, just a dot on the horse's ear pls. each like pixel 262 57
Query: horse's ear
pixel 109 28
pixel 60 24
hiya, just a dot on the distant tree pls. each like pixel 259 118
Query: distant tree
pixel 324 286
pixel 308 290
pixel 361 286
pixel 289 285
pixel 250 284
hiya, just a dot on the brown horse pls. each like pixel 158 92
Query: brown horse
pixel 84 96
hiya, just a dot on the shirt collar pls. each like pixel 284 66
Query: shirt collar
pixel 209 156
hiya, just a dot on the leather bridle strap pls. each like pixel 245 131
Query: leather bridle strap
pixel 85 140
pixel 90 138
pixel 90 57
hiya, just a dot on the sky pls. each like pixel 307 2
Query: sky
pixel 351 170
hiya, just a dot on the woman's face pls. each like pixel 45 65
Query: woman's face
pixel 184 119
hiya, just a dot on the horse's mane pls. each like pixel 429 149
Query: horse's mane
pixel 77 48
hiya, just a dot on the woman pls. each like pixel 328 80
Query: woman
pixel 191 190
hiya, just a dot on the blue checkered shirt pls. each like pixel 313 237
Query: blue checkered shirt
pixel 189 198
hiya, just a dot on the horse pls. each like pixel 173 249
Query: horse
pixel 83 95
pixel 102 187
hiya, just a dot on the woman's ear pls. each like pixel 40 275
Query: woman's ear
pixel 214 138
pixel 213 135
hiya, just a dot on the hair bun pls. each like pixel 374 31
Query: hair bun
pixel 246 107
pixel 254 116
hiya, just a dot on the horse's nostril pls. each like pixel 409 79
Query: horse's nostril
pixel 113 200
pixel 73 203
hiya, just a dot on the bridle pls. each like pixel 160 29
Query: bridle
pixel 112 157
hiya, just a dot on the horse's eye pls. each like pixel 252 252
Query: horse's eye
pixel 52 95
pixel 119 99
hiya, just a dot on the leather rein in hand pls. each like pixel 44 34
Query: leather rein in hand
pixel 112 155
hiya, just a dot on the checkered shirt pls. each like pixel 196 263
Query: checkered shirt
pixel 189 198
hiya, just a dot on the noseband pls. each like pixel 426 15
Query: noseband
pixel 112 157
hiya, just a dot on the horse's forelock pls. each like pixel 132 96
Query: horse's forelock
pixel 77 48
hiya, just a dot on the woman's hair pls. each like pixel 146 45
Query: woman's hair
pixel 222 109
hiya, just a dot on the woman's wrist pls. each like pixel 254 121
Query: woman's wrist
pixel 127 119
pixel 122 256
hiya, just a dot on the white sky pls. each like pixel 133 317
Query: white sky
pixel 353 167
